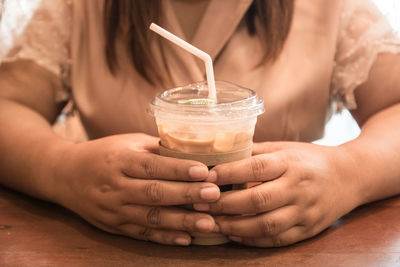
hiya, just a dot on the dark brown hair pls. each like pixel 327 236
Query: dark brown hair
pixel 130 20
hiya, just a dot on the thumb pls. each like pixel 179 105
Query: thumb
pixel 270 147
pixel 265 147
pixel 149 143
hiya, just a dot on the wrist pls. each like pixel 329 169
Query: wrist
pixel 359 169
pixel 347 172
pixel 54 160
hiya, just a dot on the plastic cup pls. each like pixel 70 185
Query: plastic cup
pixel 190 128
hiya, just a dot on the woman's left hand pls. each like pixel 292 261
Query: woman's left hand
pixel 304 189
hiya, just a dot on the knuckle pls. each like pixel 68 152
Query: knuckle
pixel 268 227
pixel 176 170
pixel 153 216
pixel 150 166
pixel 295 156
pixel 113 221
pixel 109 216
pixel 277 241
pixel 218 206
pixel 188 194
pixel 260 199
pixel 145 233
pixel 105 188
pixel 257 167
pixel 227 228
pixel 112 156
pixel 154 191
pixel 187 222
pixel 223 171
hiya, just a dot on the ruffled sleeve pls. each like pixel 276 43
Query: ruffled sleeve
pixel 364 33
pixel 45 40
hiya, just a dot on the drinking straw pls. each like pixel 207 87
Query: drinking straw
pixel 195 51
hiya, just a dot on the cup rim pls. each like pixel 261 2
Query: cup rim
pixel 250 106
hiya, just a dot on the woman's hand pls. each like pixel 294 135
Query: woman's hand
pixel 118 184
pixel 304 189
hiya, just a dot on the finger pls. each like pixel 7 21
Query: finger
pixel 263 225
pixel 166 237
pixel 260 198
pixel 258 168
pixel 141 142
pixel 168 218
pixel 265 147
pixel 152 166
pixel 293 235
pixel 150 143
pixel 270 147
pixel 166 193
pixel 162 236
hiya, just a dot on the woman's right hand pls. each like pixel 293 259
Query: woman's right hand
pixel 120 185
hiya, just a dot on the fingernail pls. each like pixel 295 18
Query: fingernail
pixel 235 238
pixel 212 176
pixel 201 206
pixel 182 241
pixel 217 229
pixel 204 225
pixel 198 172
pixel 209 193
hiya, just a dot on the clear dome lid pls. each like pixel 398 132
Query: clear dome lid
pixel 191 102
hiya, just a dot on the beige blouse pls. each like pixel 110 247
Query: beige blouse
pixel 329 52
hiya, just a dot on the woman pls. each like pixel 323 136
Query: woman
pixel 304 58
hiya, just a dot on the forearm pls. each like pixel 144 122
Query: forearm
pixel 29 150
pixel 375 156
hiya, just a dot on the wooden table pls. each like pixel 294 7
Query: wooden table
pixel 36 233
